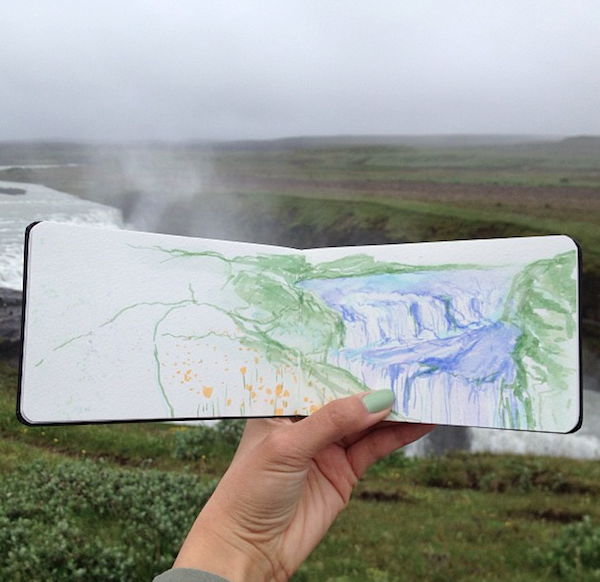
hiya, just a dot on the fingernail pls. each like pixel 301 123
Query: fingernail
pixel 378 400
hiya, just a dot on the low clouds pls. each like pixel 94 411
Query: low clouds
pixel 263 69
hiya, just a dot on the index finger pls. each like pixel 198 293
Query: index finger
pixel 379 443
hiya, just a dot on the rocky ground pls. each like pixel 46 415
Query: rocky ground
pixel 10 323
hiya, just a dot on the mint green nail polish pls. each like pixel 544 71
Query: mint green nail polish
pixel 378 400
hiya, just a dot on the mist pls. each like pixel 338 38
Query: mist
pixel 156 182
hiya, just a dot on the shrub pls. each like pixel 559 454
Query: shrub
pixel 197 442
pixel 575 554
pixel 194 442
pixel 231 430
pixel 81 520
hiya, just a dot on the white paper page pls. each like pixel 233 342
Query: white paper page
pixel 129 326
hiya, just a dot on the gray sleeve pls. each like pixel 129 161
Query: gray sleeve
pixel 188 575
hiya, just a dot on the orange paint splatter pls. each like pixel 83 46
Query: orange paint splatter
pixel 207 391
pixel 243 370
pixel 279 389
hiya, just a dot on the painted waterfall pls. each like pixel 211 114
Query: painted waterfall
pixel 474 346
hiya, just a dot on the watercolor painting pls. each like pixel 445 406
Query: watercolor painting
pixel 216 329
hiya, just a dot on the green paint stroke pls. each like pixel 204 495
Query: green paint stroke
pixel 366 266
pixel 542 303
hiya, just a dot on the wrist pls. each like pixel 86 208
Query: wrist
pixel 219 551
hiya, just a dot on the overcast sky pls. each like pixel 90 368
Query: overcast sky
pixel 195 69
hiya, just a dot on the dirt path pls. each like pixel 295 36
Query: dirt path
pixel 576 199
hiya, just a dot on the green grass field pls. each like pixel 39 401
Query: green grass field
pixel 114 502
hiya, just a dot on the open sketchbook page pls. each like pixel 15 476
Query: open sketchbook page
pixel 132 326
pixel 475 333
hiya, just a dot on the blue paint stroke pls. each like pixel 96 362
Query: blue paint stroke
pixel 435 338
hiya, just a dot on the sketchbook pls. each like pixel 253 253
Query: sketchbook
pixel 130 326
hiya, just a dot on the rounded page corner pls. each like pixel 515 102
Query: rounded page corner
pixel 578 424
pixel 31 226
pixel 572 243
pixel 23 419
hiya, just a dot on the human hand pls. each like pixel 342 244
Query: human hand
pixel 286 484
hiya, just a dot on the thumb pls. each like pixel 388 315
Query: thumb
pixel 338 419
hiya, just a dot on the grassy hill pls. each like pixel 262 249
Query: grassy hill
pixel 114 502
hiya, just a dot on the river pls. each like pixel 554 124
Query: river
pixel 22 204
